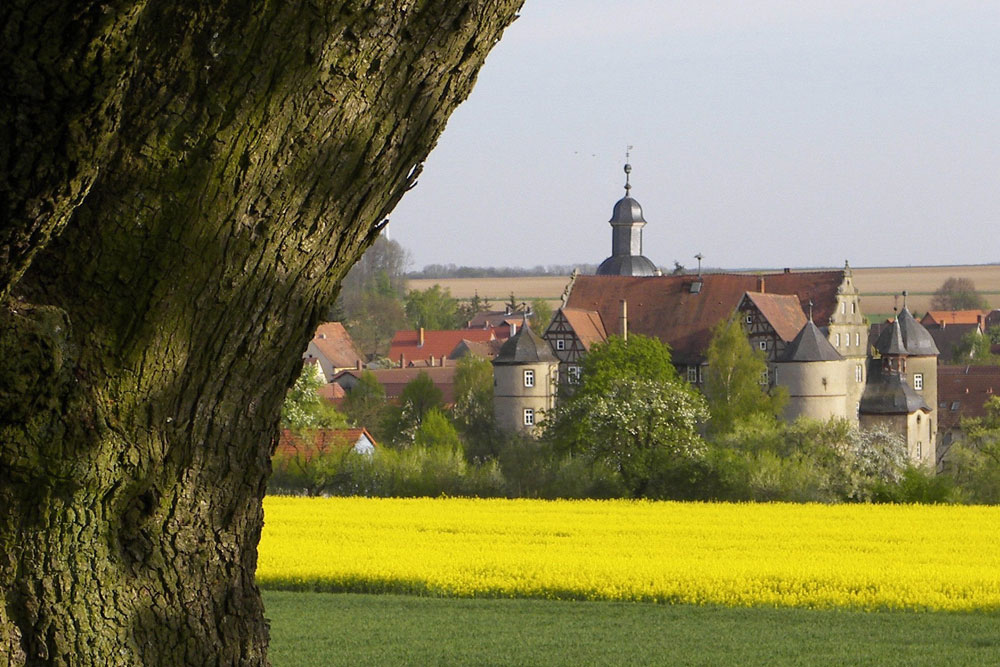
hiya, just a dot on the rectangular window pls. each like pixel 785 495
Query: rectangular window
pixel 573 376
pixel 918 381
pixel 529 378
pixel 847 340
pixel 843 307
pixel 920 450
pixel 693 374
pixel 764 377
pixel 854 307
pixel 859 373
pixel 529 417
pixel 560 344
pixel 857 339
pixel 836 340
pixel 749 319
pixel 763 344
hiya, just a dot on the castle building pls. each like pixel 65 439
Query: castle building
pixel 525 375
pixel 823 358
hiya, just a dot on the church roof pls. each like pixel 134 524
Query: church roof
pixel 627 265
pixel 672 309
pixel 525 347
pixel 810 345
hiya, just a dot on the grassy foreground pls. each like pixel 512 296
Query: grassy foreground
pixel 345 629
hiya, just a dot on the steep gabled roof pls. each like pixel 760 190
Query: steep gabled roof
pixel 587 325
pixel 667 307
pixel 782 311
pixel 810 345
pixel 946 338
pixel 334 343
pixel 322 440
pixel 963 392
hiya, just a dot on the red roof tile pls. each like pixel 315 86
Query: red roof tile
pixel 320 440
pixel 437 344
pixel 333 341
pixel 666 307
pixel 964 390
pixel 394 380
pixel 783 312
pixel 587 324
pixel 946 317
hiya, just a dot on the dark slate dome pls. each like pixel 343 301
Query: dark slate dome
pixel 916 338
pixel 810 345
pixel 890 341
pixel 889 395
pixel 627 211
pixel 525 347
pixel 627 265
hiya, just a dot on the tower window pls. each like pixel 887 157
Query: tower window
pixel 836 340
pixel 918 381
pixel 529 378
pixel 529 417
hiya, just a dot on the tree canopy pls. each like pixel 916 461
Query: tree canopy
pixel 958 294
pixel 736 385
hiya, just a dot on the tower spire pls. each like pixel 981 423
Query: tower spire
pixel 628 169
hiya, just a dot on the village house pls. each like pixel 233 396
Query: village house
pixel 430 348
pixel 332 348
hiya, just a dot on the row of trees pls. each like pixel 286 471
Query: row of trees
pixel 634 428
pixel 374 303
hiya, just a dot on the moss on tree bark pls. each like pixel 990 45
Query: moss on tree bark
pixel 182 187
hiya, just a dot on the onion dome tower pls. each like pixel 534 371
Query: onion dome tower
pixel 626 238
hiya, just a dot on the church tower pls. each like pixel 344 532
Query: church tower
pixel 626 238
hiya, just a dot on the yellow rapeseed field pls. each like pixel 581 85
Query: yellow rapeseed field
pixel 857 556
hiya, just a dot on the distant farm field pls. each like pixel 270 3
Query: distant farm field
pixel 877 285
pixel 866 557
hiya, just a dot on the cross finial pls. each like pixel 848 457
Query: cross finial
pixel 810 310
pixel 628 169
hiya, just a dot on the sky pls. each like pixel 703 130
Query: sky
pixel 765 134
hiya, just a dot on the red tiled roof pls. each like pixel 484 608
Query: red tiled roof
pixel 486 349
pixel 437 344
pixel 948 317
pixel 783 312
pixel 335 344
pixel 587 324
pixel 394 380
pixel 964 390
pixel 332 392
pixel 665 307
pixel 320 440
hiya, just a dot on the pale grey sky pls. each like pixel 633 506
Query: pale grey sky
pixel 766 134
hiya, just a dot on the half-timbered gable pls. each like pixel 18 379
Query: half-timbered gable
pixel 771 321
pixel 570 335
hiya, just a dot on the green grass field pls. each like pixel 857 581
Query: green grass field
pixel 337 629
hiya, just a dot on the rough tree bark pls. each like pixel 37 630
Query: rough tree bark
pixel 182 186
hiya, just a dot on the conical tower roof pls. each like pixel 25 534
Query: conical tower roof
pixel 890 341
pixel 525 347
pixel 810 345
pixel 916 338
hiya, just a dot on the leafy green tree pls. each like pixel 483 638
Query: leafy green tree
pixel 958 294
pixel 974 462
pixel 432 308
pixel 973 347
pixel 473 410
pixel 733 386
pixel 304 409
pixel 419 397
pixel 365 404
pixel 541 315
pixel 630 411
pixel 436 431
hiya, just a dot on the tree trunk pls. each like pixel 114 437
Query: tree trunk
pixel 182 187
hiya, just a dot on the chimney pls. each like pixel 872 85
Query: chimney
pixel 401 360
pixel 787 270
pixel 357 365
pixel 623 320
pixel 444 360
pixel 420 337
pixel 760 284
